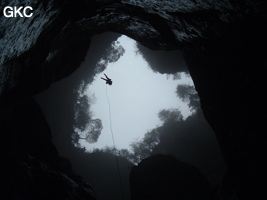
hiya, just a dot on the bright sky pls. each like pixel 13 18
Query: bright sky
pixel 136 97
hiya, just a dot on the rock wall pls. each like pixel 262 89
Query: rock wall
pixel 231 68
pixel 165 177
pixel 224 43
pixel 31 167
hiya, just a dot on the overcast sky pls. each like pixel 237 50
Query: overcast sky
pixel 136 96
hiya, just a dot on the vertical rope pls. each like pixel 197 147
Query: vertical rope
pixel 117 162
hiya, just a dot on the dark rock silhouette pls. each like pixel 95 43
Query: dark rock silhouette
pixel 165 177
pixel 233 107
pixel 100 169
pixel 224 44
pixel 32 168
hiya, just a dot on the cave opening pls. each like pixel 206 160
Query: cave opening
pixel 77 107
pixel 136 97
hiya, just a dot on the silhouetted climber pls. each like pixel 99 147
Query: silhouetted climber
pixel 108 80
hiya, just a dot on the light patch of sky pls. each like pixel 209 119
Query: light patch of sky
pixel 136 97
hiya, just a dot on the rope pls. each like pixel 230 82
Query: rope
pixel 110 126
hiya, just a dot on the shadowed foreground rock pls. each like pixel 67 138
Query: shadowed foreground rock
pixel 164 177
pixel 32 168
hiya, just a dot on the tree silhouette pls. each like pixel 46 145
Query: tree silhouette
pixel 144 148
pixel 188 94
pixel 113 54
pixel 82 114
pixel 92 131
pixel 171 114
pixel 84 126
pixel 177 76
pixel 139 149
